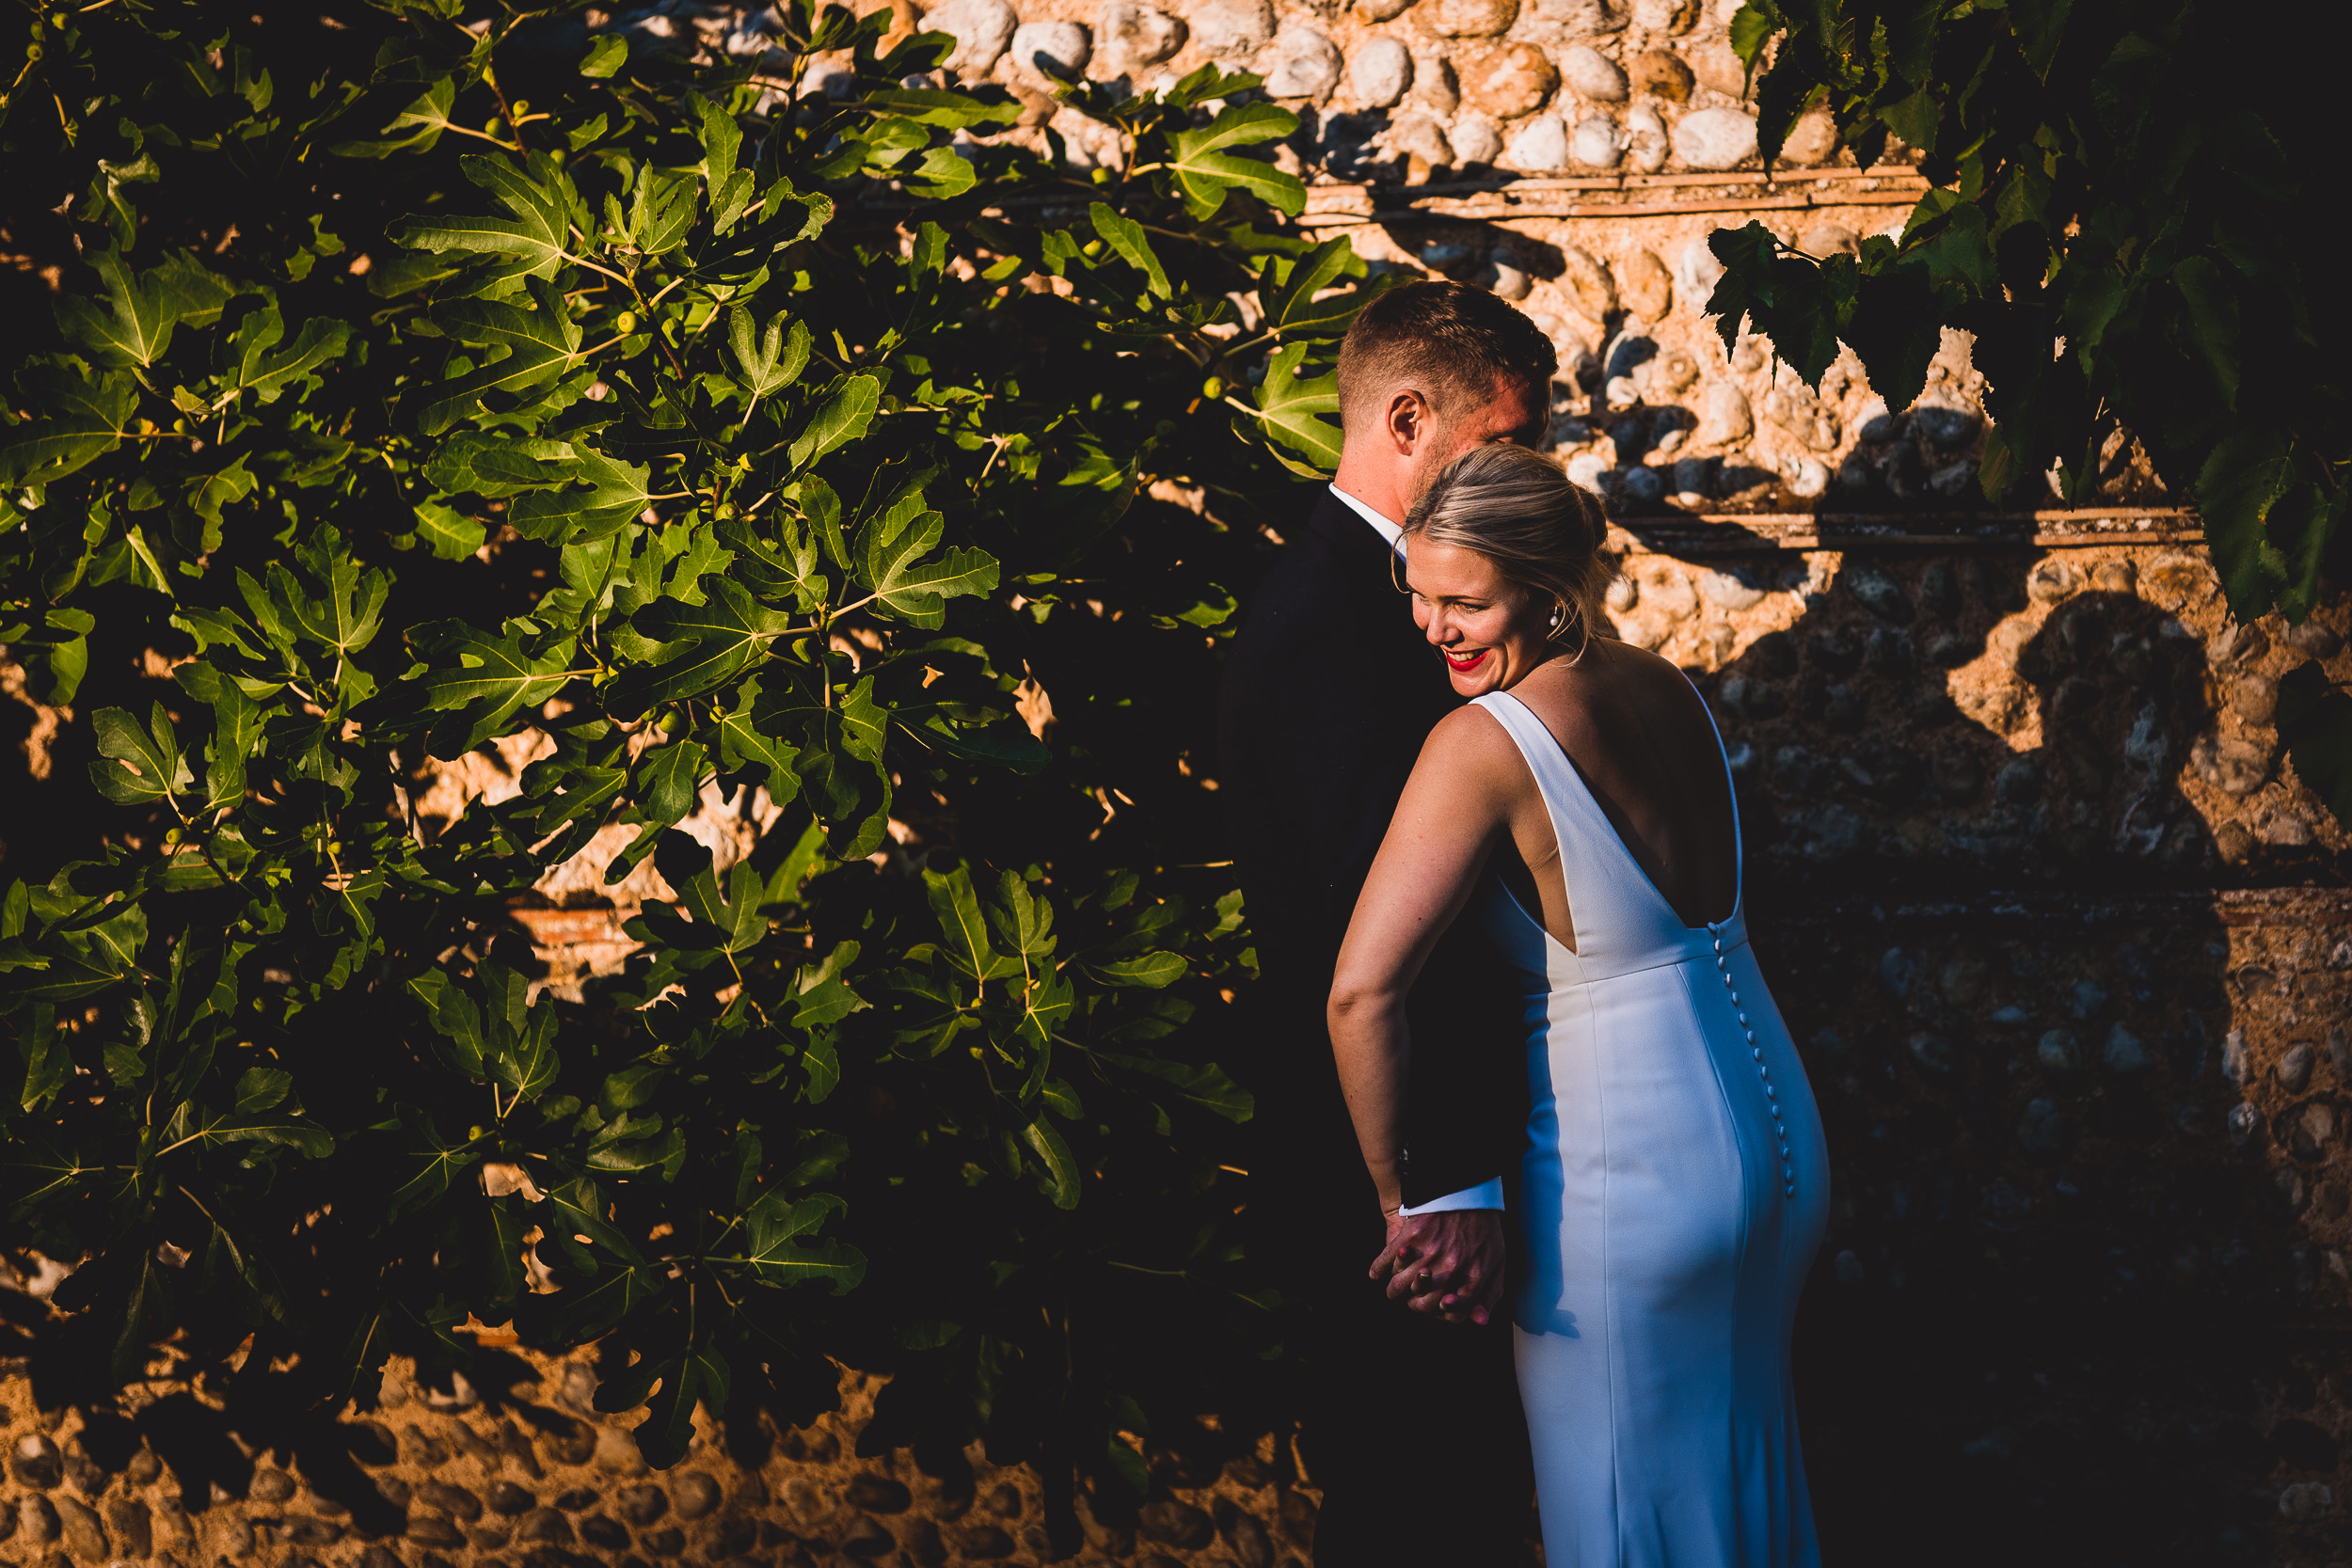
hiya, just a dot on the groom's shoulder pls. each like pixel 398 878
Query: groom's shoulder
pixel 1322 567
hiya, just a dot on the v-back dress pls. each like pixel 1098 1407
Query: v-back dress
pixel 1673 1193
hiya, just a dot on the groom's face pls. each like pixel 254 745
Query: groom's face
pixel 1517 412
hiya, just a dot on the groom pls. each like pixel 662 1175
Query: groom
pixel 1412 1426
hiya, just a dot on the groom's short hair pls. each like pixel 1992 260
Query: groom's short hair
pixel 1457 346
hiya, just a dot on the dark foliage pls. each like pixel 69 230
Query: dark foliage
pixel 2129 233
pixel 430 376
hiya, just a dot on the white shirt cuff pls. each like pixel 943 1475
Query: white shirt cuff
pixel 1486 1194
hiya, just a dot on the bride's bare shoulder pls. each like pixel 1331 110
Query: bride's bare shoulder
pixel 1469 727
pixel 1470 744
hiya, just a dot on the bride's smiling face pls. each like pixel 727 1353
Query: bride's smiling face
pixel 1492 630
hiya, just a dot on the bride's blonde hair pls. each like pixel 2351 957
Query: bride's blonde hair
pixel 1541 530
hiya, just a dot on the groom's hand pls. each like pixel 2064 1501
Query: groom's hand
pixel 1446 1264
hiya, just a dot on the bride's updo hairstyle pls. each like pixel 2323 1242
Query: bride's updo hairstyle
pixel 1542 530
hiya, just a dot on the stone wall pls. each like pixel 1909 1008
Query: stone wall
pixel 519 1471
pixel 2067 950
pixel 2062 939
pixel 1570 154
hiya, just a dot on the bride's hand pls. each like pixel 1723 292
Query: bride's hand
pixel 1447 1264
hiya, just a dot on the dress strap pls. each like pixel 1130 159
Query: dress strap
pixel 1564 794
pixel 1556 777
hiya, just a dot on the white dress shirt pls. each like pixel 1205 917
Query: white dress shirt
pixel 1487 1194
pixel 1393 532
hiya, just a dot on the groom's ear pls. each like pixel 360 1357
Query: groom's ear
pixel 1408 421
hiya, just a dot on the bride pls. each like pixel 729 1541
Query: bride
pixel 1674 1186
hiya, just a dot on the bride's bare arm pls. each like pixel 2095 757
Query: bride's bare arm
pixel 1458 802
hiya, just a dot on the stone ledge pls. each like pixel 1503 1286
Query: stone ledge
pixel 1328 219
pixel 2214 906
pixel 1757 532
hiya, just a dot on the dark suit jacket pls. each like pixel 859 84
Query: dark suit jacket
pixel 1329 692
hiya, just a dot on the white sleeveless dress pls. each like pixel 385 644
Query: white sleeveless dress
pixel 1674 1191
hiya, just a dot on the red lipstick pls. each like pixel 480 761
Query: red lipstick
pixel 1464 664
